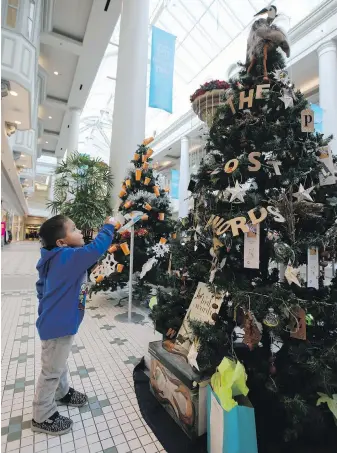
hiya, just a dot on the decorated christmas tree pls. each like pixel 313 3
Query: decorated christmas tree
pixel 142 194
pixel 264 209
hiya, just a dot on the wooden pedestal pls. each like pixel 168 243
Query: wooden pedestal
pixel 180 390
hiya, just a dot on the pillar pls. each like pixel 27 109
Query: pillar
pixel 51 188
pixel 128 125
pixel 74 130
pixel 184 177
pixel 327 57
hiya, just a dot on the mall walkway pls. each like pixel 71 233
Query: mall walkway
pixel 100 364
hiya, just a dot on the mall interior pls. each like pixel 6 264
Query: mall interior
pixel 76 77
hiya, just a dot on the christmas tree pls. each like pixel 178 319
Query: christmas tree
pixel 142 193
pixel 265 205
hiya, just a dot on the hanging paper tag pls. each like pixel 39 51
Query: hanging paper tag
pixel 327 176
pixel 307 120
pixel 299 328
pixel 252 247
pixel 312 268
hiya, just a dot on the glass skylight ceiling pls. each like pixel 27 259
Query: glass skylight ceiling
pixel 211 36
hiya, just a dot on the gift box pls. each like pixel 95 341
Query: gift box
pixel 232 431
pixel 179 389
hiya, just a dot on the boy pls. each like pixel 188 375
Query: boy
pixel 61 290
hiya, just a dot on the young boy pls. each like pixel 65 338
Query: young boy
pixel 61 290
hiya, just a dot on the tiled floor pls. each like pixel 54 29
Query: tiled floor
pixel 100 364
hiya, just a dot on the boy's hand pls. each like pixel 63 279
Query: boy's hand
pixel 111 221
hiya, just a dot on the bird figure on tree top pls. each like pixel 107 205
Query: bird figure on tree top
pixel 263 37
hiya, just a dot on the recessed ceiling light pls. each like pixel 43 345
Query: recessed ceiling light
pixel 17 122
pixel 13 93
pixel 56 73
pixel 46 142
pixel 50 117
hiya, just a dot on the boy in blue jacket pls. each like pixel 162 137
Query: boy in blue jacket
pixel 61 290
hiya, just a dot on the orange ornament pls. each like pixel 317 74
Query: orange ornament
pixel 145 217
pixel 144 158
pixel 117 226
pixel 112 249
pixel 148 207
pixel 136 156
pixel 146 165
pixel 162 241
pixel 161 216
pixel 122 193
pixel 99 278
pixel 128 182
pixel 149 152
pixel 128 204
pixel 125 248
pixel 147 180
pixel 174 235
pixel 120 268
pixel 147 141
pixel 138 174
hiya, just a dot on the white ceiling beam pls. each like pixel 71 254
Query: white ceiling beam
pixel 50 134
pixel 55 103
pixel 62 42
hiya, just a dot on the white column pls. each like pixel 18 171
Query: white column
pixel 327 57
pixel 184 177
pixel 74 130
pixel 51 188
pixel 128 125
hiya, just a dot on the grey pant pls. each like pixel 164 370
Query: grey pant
pixel 53 381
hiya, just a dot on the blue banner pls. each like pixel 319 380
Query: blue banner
pixel 318 112
pixel 162 66
pixel 174 184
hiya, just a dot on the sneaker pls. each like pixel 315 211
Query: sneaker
pixel 56 425
pixel 73 398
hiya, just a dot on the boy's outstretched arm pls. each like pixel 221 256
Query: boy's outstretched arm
pixel 79 259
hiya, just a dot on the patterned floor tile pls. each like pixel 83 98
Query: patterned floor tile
pixel 100 363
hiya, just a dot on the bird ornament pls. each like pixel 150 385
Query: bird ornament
pixel 264 36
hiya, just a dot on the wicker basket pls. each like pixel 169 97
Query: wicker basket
pixel 206 105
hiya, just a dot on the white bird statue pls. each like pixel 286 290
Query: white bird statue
pixel 264 36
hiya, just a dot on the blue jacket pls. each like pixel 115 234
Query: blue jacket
pixel 62 271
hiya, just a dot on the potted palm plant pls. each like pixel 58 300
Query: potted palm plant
pixel 81 192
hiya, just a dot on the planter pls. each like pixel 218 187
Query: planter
pixel 206 105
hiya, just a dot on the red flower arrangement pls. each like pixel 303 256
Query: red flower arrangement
pixel 209 86
pixel 140 233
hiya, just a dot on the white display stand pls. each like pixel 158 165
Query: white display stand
pixel 131 226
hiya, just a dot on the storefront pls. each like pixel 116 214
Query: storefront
pixel 32 227
pixel 6 226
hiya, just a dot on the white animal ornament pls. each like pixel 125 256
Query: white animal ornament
pixel 263 37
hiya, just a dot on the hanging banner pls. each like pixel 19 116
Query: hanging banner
pixel 174 184
pixel 162 66
pixel 318 122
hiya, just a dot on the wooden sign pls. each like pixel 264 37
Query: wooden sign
pixel 204 307
pixel 307 120
pixel 313 268
pixel 327 176
pixel 251 247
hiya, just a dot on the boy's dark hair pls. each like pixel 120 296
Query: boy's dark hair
pixel 52 230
